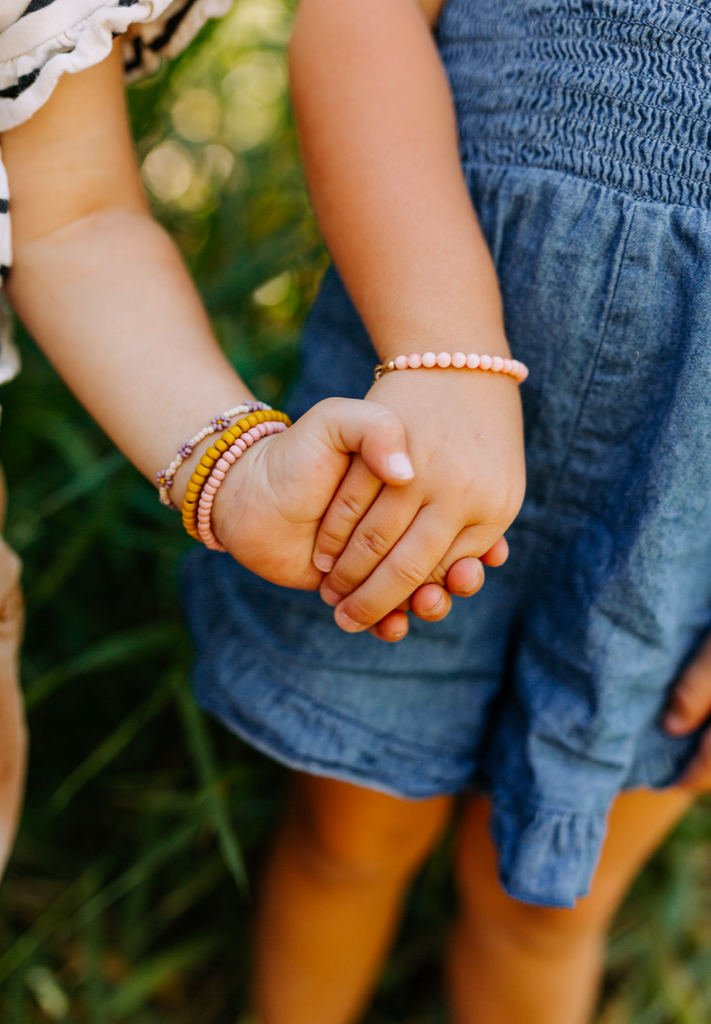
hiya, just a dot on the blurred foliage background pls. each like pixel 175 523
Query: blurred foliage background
pixel 130 893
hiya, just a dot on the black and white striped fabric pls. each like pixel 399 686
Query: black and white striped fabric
pixel 41 40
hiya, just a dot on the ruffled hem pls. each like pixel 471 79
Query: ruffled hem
pixel 41 47
pixel 546 857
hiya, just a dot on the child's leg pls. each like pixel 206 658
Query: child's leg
pixel 514 962
pixel 331 897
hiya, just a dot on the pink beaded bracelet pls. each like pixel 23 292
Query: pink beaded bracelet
pixel 218 474
pixel 496 364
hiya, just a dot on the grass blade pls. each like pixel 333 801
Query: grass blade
pixel 207 770
pixel 110 748
pixel 114 650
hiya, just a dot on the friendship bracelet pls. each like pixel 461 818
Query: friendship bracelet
pixel 229 457
pixel 214 453
pixel 496 364
pixel 165 477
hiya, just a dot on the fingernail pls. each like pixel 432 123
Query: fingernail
pixel 470 585
pixel 400 466
pixel 324 562
pixel 348 624
pixel 435 607
pixel 329 597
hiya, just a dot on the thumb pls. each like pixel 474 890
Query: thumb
pixel 349 425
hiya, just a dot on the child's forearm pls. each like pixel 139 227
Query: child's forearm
pixel 113 307
pixel 381 153
pixel 98 283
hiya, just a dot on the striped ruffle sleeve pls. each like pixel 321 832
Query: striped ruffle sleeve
pixel 41 40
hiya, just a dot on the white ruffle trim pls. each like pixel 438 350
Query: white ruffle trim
pixel 44 40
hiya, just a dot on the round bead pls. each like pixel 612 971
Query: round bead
pixel 222 464
pixel 251 419
pixel 212 453
pixel 472 360
pixel 414 361
pixel 459 360
pixel 485 362
pixel 444 360
pixel 221 445
pixel 229 458
pixel 218 474
pixel 209 489
pixel 497 364
pixel 429 360
pixel 203 470
pixel 507 365
pixel 401 363
pixel 248 439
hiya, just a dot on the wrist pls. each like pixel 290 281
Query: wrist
pixel 488 339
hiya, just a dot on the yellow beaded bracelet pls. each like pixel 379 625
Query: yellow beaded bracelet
pixel 213 454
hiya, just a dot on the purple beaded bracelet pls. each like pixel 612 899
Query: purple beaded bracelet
pixel 165 477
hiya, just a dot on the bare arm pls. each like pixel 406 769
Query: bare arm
pixel 99 284
pixel 380 147
pixel 381 153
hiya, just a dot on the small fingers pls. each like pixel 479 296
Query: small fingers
pixel 690 703
pixel 357 492
pixel 465 577
pixel 461 570
pixel 398 575
pixel 431 603
pixel 391 628
pixel 370 542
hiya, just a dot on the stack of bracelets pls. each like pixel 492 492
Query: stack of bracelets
pixel 214 464
pixel 263 421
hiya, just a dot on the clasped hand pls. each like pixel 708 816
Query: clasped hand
pixel 389 538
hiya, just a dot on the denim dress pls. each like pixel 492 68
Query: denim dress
pixel 585 130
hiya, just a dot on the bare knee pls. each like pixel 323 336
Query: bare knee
pixel 346 833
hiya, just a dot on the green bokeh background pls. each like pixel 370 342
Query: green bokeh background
pixel 130 893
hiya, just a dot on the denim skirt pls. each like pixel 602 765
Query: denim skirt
pixel 585 132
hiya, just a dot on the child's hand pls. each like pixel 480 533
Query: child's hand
pixel 465 437
pixel 268 510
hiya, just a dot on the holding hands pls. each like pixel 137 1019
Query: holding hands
pixel 392 537
pixel 269 513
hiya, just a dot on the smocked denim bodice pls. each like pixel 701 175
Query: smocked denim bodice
pixel 615 91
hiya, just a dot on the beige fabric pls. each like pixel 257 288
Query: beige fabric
pixel 13 734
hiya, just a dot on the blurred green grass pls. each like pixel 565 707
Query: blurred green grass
pixel 130 893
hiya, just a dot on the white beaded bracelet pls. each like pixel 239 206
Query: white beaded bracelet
pixel 496 364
